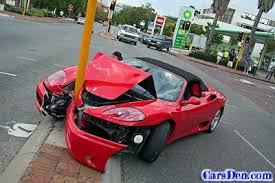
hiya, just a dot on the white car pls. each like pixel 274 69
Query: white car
pixel 128 33
pixel 81 20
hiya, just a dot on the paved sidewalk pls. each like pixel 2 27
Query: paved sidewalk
pixel 35 18
pixel 54 164
pixel 223 68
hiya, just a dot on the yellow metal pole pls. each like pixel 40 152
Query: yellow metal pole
pixel 85 45
pixel 24 7
pixel 241 51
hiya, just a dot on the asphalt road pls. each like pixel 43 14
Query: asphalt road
pixel 244 139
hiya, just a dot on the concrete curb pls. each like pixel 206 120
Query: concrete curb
pixel 19 164
pixel 4 15
pixel 113 170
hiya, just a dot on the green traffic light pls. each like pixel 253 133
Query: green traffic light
pixel 187 14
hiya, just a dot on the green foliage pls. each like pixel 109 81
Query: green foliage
pixel 13 8
pixel 204 56
pixel 134 15
pixel 37 12
pixel 169 29
pixel 217 37
pixel 212 57
pixel 197 29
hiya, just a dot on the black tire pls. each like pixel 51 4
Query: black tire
pixel 168 49
pixel 158 48
pixel 156 142
pixel 135 43
pixel 117 37
pixel 148 46
pixel 218 115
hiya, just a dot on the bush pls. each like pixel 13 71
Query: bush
pixel 212 57
pixel 204 56
pixel 13 8
pixel 37 12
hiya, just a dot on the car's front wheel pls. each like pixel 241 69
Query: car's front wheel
pixel 148 46
pixel 156 142
pixel 215 121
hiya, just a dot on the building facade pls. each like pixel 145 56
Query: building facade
pixel 239 18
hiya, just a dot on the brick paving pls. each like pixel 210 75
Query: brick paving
pixel 261 93
pixel 37 19
pixel 54 164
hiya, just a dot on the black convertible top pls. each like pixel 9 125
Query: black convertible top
pixel 182 73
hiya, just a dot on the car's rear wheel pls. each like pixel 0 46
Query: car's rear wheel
pixel 117 37
pixel 215 121
pixel 168 49
pixel 156 142
pixel 135 43
pixel 148 46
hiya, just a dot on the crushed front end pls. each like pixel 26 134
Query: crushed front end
pixel 51 103
pixel 93 140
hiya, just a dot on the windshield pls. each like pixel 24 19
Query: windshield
pixel 168 85
pixel 129 29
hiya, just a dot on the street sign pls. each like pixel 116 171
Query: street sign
pixel 70 7
pixel 181 36
pixel 142 23
pixel 151 24
pixel 160 20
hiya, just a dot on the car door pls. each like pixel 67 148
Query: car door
pixel 192 117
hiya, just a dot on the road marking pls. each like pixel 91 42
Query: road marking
pixel 227 123
pixel 8 74
pixel 247 82
pixel 254 148
pixel 29 59
pixel 20 129
pixel 272 87
pixel 58 65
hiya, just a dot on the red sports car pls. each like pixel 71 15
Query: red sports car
pixel 136 106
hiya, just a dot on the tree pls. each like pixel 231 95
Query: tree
pixel 197 29
pixel 169 29
pixel 217 38
pixel 134 15
pixel 264 6
pixel 219 8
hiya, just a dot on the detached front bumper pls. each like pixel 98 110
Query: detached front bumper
pixel 40 93
pixel 88 149
pixel 128 39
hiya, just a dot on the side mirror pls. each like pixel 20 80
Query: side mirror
pixel 192 100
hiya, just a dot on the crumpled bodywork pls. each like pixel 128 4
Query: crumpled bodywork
pixel 90 150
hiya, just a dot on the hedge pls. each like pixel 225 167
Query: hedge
pixel 213 58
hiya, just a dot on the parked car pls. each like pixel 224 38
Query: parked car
pixel 128 33
pixel 81 20
pixel 144 38
pixel 140 111
pixel 160 42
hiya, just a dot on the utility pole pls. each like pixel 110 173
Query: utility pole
pixel 110 14
pixel 24 7
pixel 241 50
pixel 85 46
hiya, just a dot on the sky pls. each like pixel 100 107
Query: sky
pixel 171 7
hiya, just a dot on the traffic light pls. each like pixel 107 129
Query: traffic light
pixel 113 5
pixel 247 40
pixel 186 25
pixel 240 37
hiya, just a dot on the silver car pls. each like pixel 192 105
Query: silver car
pixel 128 33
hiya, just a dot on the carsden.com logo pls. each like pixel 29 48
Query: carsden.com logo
pixel 230 175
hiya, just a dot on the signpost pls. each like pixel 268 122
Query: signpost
pixel 159 21
pixel 181 33
pixel 150 27
pixel 70 9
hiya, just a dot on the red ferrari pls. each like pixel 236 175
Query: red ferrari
pixel 136 106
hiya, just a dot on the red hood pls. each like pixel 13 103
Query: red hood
pixel 109 78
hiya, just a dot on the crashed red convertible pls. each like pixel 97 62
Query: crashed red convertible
pixel 136 106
